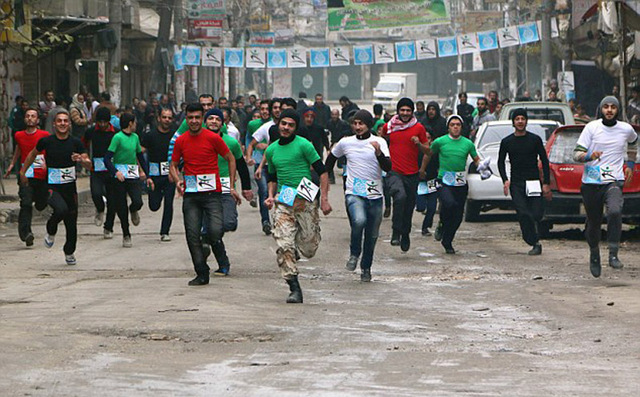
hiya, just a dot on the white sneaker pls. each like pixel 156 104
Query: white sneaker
pixel 135 218
pixel 70 259
pixel 107 234
pixel 98 218
pixel 49 240
pixel 165 237
pixel 126 242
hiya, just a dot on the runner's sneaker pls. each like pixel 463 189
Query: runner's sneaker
pixel 352 263
pixel 438 234
pixel 29 240
pixel 98 218
pixel 49 240
pixel 165 237
pixel 266 228
pixel 70 259
pixel 135 218
pixel 253 203
pixel 108 234
pixel 126 242
pixel 222 271
pixel 365 276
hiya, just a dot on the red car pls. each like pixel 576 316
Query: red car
pixel 566 179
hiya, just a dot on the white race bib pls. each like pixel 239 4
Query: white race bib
pixel 60 176
pixel 200 183
pixel 225 185
pixel 452 178
pixel 159 169
pixel 599 173
pixel 130 171
pixel 364 188
pixel 533 188
pixel 308 190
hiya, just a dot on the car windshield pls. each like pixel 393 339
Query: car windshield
pixel 563 146
pixel 388 86
pixel 495 133
pixel 552 114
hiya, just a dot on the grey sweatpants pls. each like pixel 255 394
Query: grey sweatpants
pixel 595 197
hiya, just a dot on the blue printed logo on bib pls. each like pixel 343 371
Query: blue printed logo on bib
pixel 191 184
pixel 592 174
pixel 98 164
pixel 30 172
pixel 360 187
pixel 287 195
pixel 154 169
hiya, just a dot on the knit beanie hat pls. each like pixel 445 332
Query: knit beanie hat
pixel 454 116
pixel 214 112
pixel 405 102
pixel 364 116
pixel 519 112
pixel 290 114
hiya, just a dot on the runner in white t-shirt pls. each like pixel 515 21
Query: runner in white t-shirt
pixel 602 146
pixel 367 156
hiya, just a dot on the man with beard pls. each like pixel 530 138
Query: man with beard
pixel 465 110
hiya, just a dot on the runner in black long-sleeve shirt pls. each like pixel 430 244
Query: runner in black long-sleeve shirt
pixel 524 149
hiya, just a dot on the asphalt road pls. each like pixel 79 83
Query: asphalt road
pixel 488 321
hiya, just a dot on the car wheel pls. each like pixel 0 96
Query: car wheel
pixel 544 229
pixel 472 212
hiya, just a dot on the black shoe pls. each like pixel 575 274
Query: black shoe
pixel 266 228
pixel 387 212
pixel 395 239
pixel 438 234
pixel 536 250
pixel 426 232
pixel 449 249
pixel 29 240
pixel 222 271
pixel 295 296
pixel 365 276
pixel 352 263
pixel 199 281
pixel 614 262
pixel 405 242
pixel 594 263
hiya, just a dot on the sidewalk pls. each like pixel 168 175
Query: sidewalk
pixel 10 202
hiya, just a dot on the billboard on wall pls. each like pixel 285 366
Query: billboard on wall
pixel 205 9
pixel 379 14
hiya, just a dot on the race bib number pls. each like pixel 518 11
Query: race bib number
pixel 200 183
pixel 533 188
pixel 38 162
pixel 427 187
pixel 98 164
pixel 308 190
pixel 164 168
pixel 154 169
pixel 452 178
pixel 365 188
pixel 130 171
pixel 225 185
pixel 60 176
pixel 287 195
pixel 599 174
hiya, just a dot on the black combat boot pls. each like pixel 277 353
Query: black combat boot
pixel 296 293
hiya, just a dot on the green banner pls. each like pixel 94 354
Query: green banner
pixel 378 14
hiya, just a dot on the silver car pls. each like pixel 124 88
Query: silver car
pixel 485 195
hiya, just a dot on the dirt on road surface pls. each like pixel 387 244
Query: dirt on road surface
pixel 488 321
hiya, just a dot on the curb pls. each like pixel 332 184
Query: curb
pixel 10 215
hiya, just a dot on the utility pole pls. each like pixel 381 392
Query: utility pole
pixel 622 50
pixel 513 54
pixel 178 77
pixel 159 72
pixel 545 37
pixel 115 53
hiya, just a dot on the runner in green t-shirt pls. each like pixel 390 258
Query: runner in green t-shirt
pixel 230 198
pixel 295 219
pixel 122 159
pixel 453 150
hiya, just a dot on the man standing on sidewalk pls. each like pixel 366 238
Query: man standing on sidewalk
pixel 524 149
pixel 36 190
pixel 367 156
pixel 199 149
pixel 407 139
pixel 98 140
pixel 296 224
pixel 602 145
pixel 61 153
pixel 453 150
pixel 156 144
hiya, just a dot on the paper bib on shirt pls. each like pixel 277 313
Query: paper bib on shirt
pixel 60 176
pixel 159 169
pixel 308 190
pixel 287 195
pixel 130 171
pixel 428 187
pixel 365 188
pixel 225 185
pixel 533 188
pixel 200 183
pixel 452 178
pixel 599 174
pixel 98 164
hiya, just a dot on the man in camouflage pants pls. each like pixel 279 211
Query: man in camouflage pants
pixel 295 218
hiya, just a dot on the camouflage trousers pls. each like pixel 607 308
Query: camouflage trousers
pixel 295 228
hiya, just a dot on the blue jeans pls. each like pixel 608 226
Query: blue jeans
pixel 263 193
pixel 201 209
pixel 365 216
pixel 428 202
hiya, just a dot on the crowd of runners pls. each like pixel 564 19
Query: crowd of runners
pixel 390 167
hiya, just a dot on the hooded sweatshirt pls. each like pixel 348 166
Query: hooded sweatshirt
pixel 436 126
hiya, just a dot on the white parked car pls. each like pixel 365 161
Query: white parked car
pixel 488 194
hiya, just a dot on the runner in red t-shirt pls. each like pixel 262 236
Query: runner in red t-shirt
pixel 37 189
pixel 407 139
pixel 202 204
